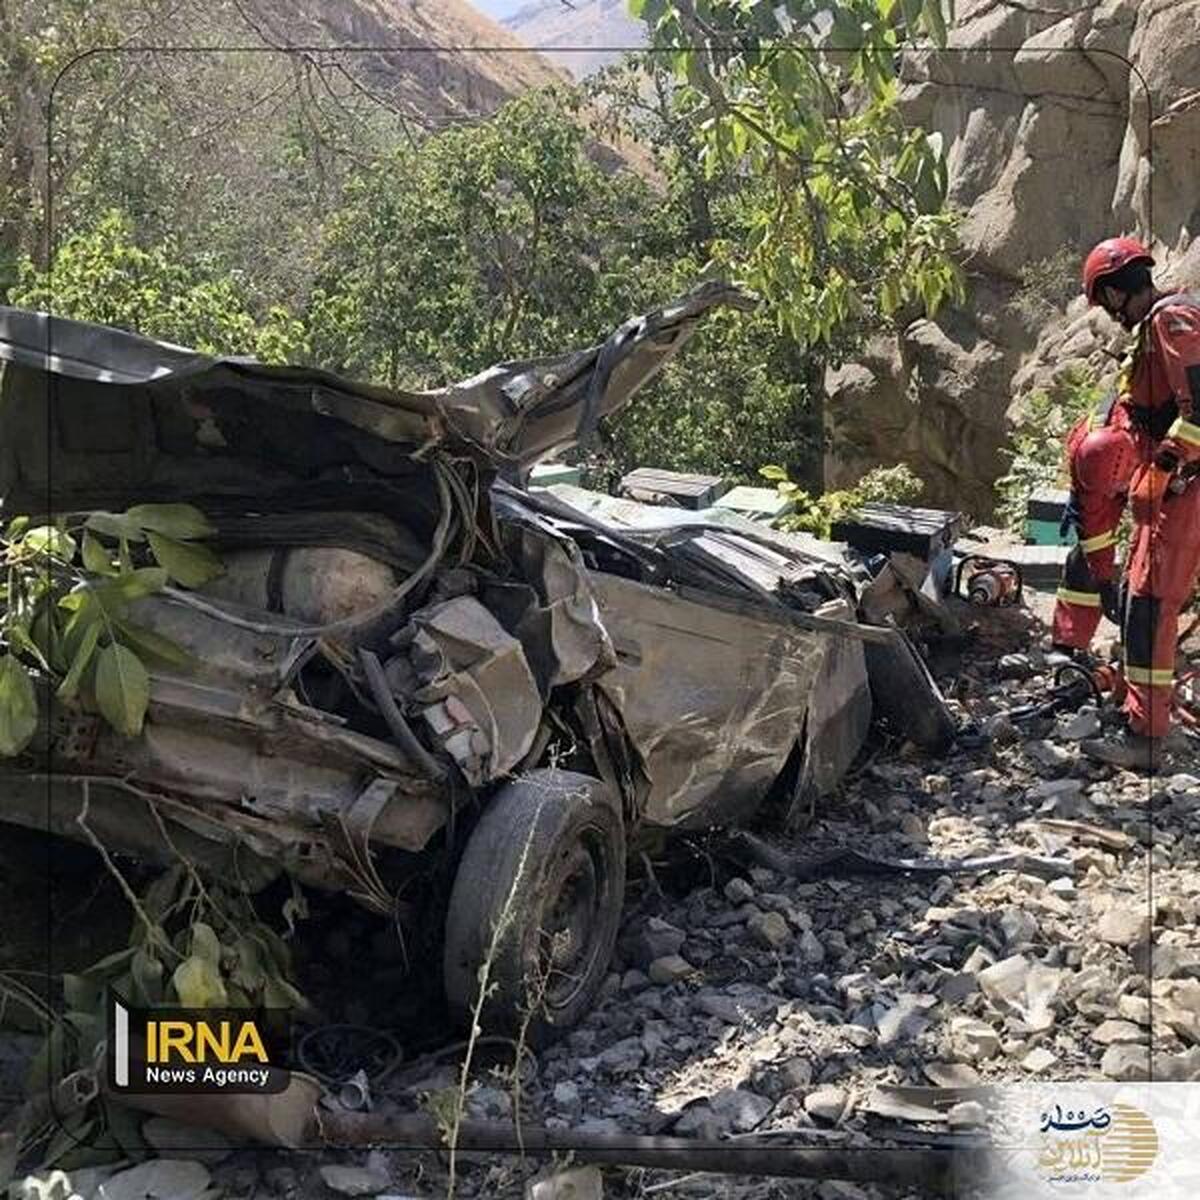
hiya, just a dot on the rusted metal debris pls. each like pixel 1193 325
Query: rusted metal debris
pixel 294 1119
pixel 848 861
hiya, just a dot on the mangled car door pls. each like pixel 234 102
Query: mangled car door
pixel 712 693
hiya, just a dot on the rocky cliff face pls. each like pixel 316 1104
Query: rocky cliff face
pixel 1054 141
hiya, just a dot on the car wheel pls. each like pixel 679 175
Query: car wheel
pixel 545 866
pixel 905 695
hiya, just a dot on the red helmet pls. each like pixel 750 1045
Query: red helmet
pixel 1111 255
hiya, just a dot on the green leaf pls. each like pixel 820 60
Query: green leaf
pixel 83 656
pixel 21 639
pixel 935 21
pixel 205 943
pixel 122 689
pixel 45 539
pixel 773 472
pixel 278 993
pixel 188 564
pixel 150 645
pixel 248 972
pixel 95 558
pixel 115 525
pixel 147 971
pixel 198 984
pixel 132 585
pixel 18 707
pixel 174 520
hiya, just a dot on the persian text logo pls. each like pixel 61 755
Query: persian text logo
pixel 1113 1143
pixel 184 1050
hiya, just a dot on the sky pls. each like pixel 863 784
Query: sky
pixel 498 8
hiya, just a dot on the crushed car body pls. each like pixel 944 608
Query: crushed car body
pixel 404 635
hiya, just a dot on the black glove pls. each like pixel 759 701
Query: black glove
pixel 1071 516
pixel 1110 602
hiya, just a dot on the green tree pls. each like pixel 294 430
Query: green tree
pixel 499 240
pixel 847 223
pixel 104 275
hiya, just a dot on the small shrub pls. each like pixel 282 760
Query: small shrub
pixel 1048 285
pixel 816 514
pixel 1035 451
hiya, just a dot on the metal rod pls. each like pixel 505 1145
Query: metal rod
pixel 933 1170
pixel 391 713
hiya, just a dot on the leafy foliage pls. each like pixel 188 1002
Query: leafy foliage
pixel 65 611
pixel 192 945
pixel 1035 451
pixel 104 275
pixel 816 514
pixel 848 223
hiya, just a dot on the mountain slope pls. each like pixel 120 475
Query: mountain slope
pixel 447 60
pixel 582 36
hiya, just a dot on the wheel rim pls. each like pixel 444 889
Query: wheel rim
pixel 567 938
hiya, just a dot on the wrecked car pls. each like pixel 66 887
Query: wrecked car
pixel 417 681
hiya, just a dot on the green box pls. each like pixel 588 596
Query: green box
pixel 757 503
pixel 546 474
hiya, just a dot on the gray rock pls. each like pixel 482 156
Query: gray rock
pixel 974 1038
pixel 623 1056
pixel 489 1103
pixel 353 1181
pixel 738 891
pixel 968 1114
pixel 905 1019
pixel 634 981
pixel 739 1109
pixel 566 1096
pixel 281 1180
pixel 1134 1008
pixel 796 1073
pixel 1178 1068
pixel 1038 1059
pixel 655 939
pixel 1018 926
pixel 942 1074
pixel 670 969
pixel 1051 761
pixel 769 930
pixel 1117 1033
pixel 579 1183
pixel 1083 724
pixel 810 948
pixel 721 1005
pixel 1124 924
pixel 826 1104
pixel 160 1179
pixel 1125 1063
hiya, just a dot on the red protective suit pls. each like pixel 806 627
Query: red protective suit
pixel 1161 391
pixel 1103 452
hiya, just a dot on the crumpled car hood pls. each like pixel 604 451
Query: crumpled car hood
pixel 511 414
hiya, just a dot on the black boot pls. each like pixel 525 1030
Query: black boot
pixel 1126 749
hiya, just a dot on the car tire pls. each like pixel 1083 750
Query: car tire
pixel 549 850
pixel 905 695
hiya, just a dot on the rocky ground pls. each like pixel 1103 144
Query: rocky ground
pixel 744 1000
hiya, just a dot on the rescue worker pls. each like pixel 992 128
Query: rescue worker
pixel 1102 455
pixel 1159 395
